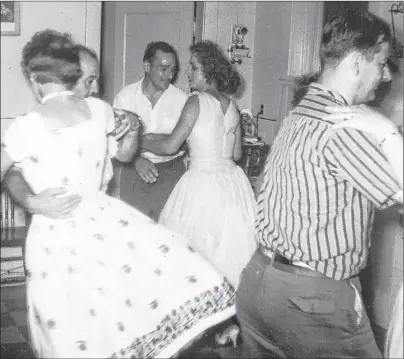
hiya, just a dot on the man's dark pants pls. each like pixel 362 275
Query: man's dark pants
pixel 148 198
pixel 286 315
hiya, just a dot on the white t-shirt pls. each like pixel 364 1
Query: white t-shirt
pixel 161 118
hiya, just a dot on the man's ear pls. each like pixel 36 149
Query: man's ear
pixel 146 66
pixel 32 77
pixel 356 60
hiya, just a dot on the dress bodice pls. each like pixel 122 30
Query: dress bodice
pixel 213 136
pixel 71 157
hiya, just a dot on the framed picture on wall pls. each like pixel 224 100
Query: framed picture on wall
pixel 10 18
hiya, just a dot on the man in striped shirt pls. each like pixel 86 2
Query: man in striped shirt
pixel 299 295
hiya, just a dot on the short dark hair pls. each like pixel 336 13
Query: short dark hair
pixel 153 47
pixel 88 51
pixel 355 29
pixel 216 67
pixel 52 57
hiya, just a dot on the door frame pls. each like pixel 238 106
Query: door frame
pixel 107 35
pixel 93 15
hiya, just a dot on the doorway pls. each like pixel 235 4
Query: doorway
pixel 128 26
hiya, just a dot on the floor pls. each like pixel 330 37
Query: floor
pixel 14 333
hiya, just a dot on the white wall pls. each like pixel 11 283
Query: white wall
pixel 387 264
pixel 16 97
pixel 381 9
pixel 273 51
pixel 219 16
pixel 81 19
pixel 273 21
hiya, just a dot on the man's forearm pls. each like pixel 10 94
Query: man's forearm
pixel 18 187
pixel 393 150
pixel 157 143
pixel 127 147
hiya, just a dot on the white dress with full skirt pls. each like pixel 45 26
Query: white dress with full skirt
pixel 213 204
pixel 108 282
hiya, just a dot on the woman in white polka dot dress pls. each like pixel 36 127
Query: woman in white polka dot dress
pixel 106 282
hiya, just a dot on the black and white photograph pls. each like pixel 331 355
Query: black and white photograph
pixel 10 18
pixel 201 179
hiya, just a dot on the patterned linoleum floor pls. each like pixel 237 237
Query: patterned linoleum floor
pixel 14 333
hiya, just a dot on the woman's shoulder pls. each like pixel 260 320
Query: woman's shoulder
pixel 24 127
pixel 94 101
pixel 99 106
pixel 233 105
pixel 201 98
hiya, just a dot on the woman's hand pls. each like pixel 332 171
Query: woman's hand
pixel 362 118
pixel 125 121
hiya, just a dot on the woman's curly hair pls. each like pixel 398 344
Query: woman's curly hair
pixel 52 57
pixel 216 67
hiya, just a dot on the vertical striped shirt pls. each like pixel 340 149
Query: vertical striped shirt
pixel 320 188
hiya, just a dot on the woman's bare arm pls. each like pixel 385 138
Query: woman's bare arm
pixel 170 144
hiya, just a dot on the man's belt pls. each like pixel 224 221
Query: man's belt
pixel 281 263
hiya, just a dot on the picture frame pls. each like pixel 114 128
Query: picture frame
pixel 10 18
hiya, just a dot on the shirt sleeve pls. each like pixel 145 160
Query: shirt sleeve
pixel 112 143
pixel 22 138
pixel 355 157
pixel 182 100
pixel 106 114
pixel 120 101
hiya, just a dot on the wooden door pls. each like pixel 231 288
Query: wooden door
pixel 129 26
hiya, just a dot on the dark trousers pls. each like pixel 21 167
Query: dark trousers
pixel 295 316
pixel 148 198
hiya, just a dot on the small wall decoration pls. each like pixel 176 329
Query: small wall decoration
pixel 10 18
pixel 237 49
pixel 396 10
pixel 249 126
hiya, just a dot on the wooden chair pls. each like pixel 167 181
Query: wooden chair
pixel 12 241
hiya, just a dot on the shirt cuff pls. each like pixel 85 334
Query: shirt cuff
pixel 394 198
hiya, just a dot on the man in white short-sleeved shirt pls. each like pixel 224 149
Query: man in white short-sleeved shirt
pixel 147 182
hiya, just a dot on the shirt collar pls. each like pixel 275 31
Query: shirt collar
pixel 316 87
pixel 165 92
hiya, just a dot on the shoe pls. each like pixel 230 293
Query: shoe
pixel 229 335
